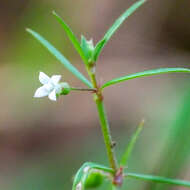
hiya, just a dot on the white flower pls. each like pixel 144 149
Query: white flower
pixel 50 88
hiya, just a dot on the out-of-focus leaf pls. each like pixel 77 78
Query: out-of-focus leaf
pixel 127 153
pixel 115 26
pixel 60 57
pixel 144 74
pixel 174 158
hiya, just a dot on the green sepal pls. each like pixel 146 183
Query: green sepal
pixel 66 89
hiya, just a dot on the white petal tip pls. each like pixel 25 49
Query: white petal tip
pixel 52 96
pixel 56 78
pixel 43 78
pixel 41 92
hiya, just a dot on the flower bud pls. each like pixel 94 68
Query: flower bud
pixel 88 48
pixel 94 179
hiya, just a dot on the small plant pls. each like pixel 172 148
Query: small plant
pixel 92 174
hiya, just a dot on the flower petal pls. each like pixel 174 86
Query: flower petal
pixel 58 88
pixel 52 95
pixel 49 86
pixel 43 78
pixel 41 92
pixel 55 79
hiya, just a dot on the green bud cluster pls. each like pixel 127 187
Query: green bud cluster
pixel 88 49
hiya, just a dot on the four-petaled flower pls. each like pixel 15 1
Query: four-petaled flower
pixel 51 86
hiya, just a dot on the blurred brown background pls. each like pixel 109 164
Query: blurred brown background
pixel 42 143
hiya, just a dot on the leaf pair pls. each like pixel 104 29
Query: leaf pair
pixel 86 52
pixel 82 176
pixel 100 45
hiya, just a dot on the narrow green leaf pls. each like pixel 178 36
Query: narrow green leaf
pixel 127 153
pixel 60 57
pixel 159 179
pixel 144 74
pixel 115 26
pixel 71 36
pixel 98 48
pixel 81 175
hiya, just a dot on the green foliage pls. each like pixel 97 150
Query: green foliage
pixel 100 45
pixel 144 74
pixel 176 151
pixel 127 153
pixel 83 50
pixel 60 57
pixel 158 179
pixel 72 37
pixel 91 174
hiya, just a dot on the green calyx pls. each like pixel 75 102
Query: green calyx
pixel 65 88
pixel 88 49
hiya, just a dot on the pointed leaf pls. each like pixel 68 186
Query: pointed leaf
pixel 158 179
pixel 84 46
pixel 98 48
pixel 60 57
pixel 71 36
pixel 144 74
pixel 127 153
pixel 115 26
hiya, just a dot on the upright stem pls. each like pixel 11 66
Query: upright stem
pixel 98 98
pixel 106 131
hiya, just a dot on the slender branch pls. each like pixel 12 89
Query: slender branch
pixel 158 179
pixel 83 89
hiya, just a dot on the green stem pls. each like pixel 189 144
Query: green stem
pixel 83 89
pixel 98 98
pixel 106 132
